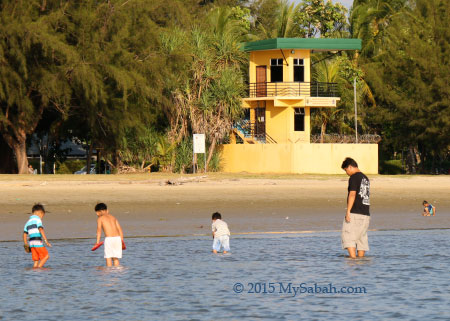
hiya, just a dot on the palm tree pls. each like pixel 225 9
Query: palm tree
pixel 369 20
pixel 282 26
pixel 210 100
pixel 326 71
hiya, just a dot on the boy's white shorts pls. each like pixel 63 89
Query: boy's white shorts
pixel 221 241
pixel 113 247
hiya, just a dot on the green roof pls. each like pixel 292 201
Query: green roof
pixel 303 43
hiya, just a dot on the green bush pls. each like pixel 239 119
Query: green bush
pixel 183 156
pixel 214 163
pixel 391 167
pixel 70 166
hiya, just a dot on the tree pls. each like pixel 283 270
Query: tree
pixel 116 84
pixel 274 18
pixel 369 20
pixel 410 80
pixel 209 100
pixel 34 64
pixel 315 18
pixel 326 72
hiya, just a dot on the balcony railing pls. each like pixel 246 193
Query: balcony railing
pixel 306 89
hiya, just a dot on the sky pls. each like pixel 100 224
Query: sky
pixel 347 3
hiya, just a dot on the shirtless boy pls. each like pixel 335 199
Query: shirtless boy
pixel 113 234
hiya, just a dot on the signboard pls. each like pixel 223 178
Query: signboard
pixel 320 102
pixel 199 143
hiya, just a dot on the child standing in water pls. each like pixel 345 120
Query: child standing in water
pixel 221 234
pixel 428 209
pixel 34 230
pixel 113 234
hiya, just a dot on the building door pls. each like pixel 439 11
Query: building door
pixel 260 121
pixel 261 81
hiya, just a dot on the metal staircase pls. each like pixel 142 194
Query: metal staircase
pixel 246 131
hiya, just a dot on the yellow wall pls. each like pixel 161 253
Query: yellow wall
pixel 298 158
pixel 280 124
pixel 280 120
pixel 262 58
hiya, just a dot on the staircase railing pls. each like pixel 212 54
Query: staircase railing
pixel 248 130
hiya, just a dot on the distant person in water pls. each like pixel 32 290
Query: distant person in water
pixel 428 209
pixel 357 217
pixel 221 234
pixel 113 234
pixel 34 231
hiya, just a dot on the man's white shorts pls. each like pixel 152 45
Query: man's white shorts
pixel 354 234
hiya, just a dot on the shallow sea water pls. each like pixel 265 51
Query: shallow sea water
pixel 405 276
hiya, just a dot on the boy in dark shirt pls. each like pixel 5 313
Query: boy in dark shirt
pixel 357 217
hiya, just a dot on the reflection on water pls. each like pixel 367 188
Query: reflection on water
pixel 405 276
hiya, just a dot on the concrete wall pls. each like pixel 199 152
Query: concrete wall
pixel 298 158
pixel 280 124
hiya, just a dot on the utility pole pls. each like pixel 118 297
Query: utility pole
pixel 356 109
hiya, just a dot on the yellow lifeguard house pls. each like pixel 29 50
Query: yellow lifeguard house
pixel 275 133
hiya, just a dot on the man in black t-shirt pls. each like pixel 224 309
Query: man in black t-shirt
pixel 357 218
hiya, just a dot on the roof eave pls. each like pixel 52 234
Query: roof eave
pixel 322 44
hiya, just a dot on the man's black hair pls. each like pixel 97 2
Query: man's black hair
pixel 349 161
pixel 100 207
pixel 424 202
pixel 38 207
pixel 216 216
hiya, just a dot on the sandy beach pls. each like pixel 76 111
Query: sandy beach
pixel 149 205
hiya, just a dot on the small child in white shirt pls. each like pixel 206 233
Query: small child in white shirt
pixel 221 234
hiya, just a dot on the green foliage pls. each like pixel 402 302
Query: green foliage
pixel 183 158
pixel 410 80
pixel 391 167
pixel 164 154
pixel 139 146
pixel 69 166
pixel 136 78
pixel 210 98
pixel 314 18
pixel 369 20
pixel 34 65
pixel 214 163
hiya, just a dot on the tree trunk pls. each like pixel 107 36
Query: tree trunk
pixel 210 152
pixel 412 155
pixel 323 128
pixel 7 163
pixel 20 150
pixel 18 144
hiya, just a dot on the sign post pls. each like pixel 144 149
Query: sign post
pixel 356 109
pixel 199 148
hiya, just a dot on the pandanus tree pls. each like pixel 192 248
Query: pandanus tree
pixel 210 99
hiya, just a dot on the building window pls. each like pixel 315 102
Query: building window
pixel 276 70
pixel 299 70
pixel 299 119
